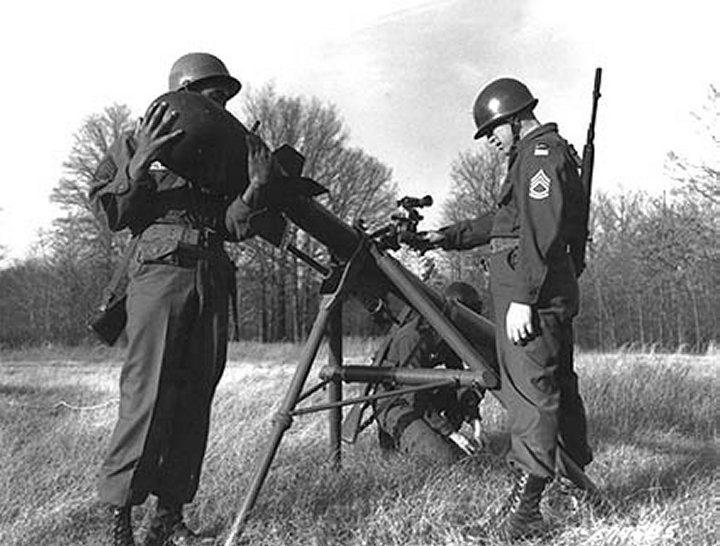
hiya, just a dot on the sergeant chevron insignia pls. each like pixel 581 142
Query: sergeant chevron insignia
pixel 539 185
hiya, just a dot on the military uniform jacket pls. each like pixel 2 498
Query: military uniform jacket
pixel 541 204
pixel 417 345
pixel 163 208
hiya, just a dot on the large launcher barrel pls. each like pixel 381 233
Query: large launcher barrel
pixel 386 275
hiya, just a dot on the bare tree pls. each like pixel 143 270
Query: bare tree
pixel 360 187
pixel 700 179
pixel 652 274
pixel 55 292
pixel 610 284
pixel 81 230
pixel 476 177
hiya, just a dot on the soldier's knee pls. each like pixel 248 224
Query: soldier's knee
pixel 421 441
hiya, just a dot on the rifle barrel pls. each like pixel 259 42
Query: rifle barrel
pixel 596 98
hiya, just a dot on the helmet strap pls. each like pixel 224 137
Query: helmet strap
pixel 515 128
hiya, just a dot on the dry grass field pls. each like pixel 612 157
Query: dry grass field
pixel 653 424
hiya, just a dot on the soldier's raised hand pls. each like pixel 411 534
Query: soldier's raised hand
pixel 259 161
pixel 153 133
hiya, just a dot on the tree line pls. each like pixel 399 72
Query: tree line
pixel 652 278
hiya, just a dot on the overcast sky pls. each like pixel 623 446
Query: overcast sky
pixel 402 73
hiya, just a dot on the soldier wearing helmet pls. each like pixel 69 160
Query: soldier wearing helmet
pixel 196 70
pixel 180 284
pixel 538 218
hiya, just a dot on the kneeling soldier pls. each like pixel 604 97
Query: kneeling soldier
pixel 426 424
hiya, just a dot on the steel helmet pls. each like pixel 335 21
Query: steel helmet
pixel 195 67
pixel 498 102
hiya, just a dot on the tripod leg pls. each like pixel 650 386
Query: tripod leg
pixel 335 359
pixel 574 472
pixel 283 418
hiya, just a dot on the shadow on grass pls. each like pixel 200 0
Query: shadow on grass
pixel 83 525
pixel 663 482
pixel 29 397
pixel 26 411
pixel 302 493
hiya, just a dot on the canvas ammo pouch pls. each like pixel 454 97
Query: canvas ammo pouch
pixel 109 322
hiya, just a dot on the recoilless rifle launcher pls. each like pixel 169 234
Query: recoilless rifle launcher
pixel 361 268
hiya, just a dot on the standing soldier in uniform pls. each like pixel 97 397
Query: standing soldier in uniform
pixel 539 219
pixel 180 285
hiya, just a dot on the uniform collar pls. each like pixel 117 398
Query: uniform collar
pixel 536 133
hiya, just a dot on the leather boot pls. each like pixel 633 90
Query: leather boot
pixel 168 529
pixel 520 516
pixel 122 534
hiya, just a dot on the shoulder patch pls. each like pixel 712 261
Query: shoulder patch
pixel 539 185
pixel 541 149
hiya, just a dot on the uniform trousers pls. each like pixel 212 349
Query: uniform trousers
pixel 538 380
pixel 404 427
pixel 177 334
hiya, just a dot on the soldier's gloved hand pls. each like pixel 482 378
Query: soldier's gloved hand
pixel 153 133
pixel 416 241
pixel 518 322
pixel 463 442
pixel 430 239
pixel 478 436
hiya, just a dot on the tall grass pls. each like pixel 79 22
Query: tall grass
pixel 653 425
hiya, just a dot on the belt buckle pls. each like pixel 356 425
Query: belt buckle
pixel 203 238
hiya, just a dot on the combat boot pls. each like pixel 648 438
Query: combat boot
pixel 122 534
pixel 520 516
pixel 169 529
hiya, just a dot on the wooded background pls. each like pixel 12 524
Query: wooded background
pixel 652 280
